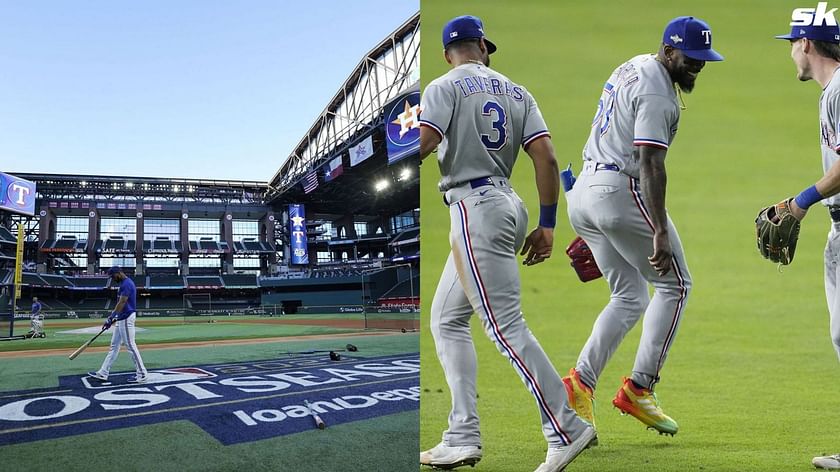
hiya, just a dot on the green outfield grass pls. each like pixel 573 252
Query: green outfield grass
pixel 381 444
pixel 752 377
pixel 174 330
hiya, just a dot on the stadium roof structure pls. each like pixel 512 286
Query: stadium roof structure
pixel 356 111
pixel 99 187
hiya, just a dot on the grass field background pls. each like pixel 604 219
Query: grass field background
pixel 752 378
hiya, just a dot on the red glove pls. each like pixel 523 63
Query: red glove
pixel 582 260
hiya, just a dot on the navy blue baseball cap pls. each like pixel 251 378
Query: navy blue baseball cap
pixel 692 36
pixel 465 27
pixel 827 33
pixel 114 270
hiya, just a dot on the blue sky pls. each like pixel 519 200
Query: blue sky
pixel 188 88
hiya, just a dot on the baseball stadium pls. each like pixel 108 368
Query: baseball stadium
pixel 266 310
pixel 752 376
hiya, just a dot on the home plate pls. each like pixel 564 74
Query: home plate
pixel 93 330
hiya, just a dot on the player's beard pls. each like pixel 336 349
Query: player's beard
pixel 686 82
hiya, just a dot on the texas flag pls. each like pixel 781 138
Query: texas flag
pixel 333 169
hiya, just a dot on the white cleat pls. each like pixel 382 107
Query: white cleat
pixel 450 457
pixel 138 379
pixel 827 462
pixel 558 458
pixel 98 376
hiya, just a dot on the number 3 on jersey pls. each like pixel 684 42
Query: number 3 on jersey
pixel 498 123
pixel 605 108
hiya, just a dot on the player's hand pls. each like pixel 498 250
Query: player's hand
pixel 538 246
pixel 796 211
pixel 108 322
pixel 661 258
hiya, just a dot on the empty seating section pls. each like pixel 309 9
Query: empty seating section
pixel 202 281
pixel 248 245
pixel 65 243
pixel 402 289
pixel 24 305
pixel 7 254
pixel 162 245
pixel 166 281
pixel 212 246
pixel 33 279
pixel 116 245
pixel 407 236
pixel 240 280
pixel 252 245
pixel 91 303
pixel 139 281
pixel 163 302
pixel 90 282
pixel 56 280
pixel 6 236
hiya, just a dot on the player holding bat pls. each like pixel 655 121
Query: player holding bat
pixel 124 316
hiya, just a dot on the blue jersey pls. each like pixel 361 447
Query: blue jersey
pixel 36 308
pixel 127 289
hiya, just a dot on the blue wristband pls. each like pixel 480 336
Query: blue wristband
pixel 808 197
pixel 548 215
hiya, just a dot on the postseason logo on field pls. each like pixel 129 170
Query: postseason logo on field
pixel 234 402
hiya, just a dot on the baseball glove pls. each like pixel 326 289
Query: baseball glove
pixel 582 260
pixel 777 230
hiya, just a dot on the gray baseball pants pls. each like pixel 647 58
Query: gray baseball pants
pixel 606 210
pixel 488 226
pixel 832 254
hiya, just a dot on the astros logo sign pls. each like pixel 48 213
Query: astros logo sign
pixel 402 125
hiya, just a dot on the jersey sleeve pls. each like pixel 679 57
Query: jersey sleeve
pixel 833 104
pixel 656 116
pixel 534 127
pixel 437 104
pixel 123 290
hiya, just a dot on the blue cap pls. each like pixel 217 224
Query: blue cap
pixel 114 270
pixel 827 33
pixel 692 36
pixel 465 27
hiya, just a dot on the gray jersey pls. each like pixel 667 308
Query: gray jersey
pixel 638 107
pixel 482 118
pixel 830 128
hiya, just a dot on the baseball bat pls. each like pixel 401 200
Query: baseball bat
pixel 85 345
pixel 318 421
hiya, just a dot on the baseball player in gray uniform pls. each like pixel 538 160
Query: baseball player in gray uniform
pixel 478 119
pixel 617 206
pixel 815 51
